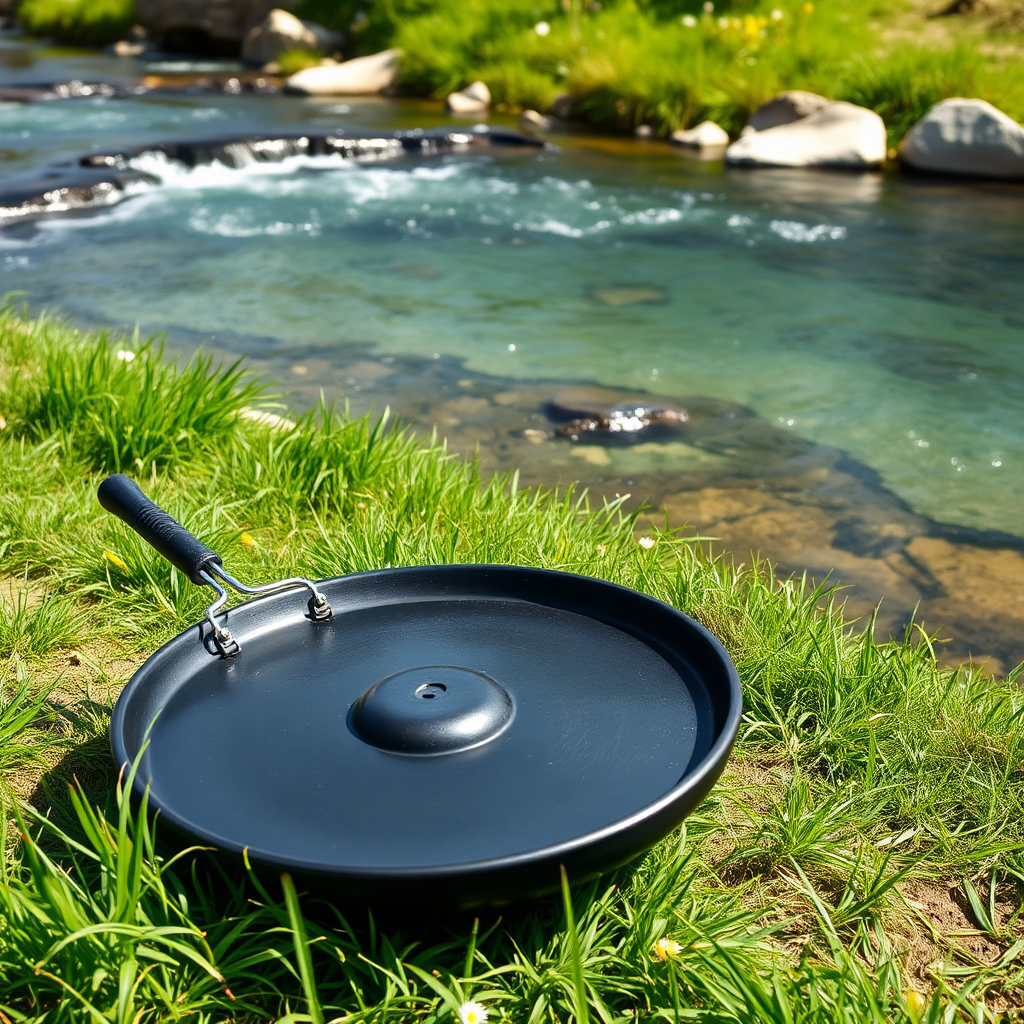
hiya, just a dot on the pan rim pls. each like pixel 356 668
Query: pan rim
pixel 706 771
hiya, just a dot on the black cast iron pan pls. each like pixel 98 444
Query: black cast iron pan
pixel 444 734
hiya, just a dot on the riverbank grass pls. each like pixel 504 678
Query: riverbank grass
pixel 862 859
pixel 664 63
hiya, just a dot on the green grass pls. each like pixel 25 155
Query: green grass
pixel 292 61
pixel 671 64
pixel 83 22
pixel 864 775
pixel 664 63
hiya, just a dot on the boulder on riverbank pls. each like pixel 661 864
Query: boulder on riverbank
pixel 474 99
pixel 534 121
pixel 836 135
pixel 785 108
pixel 966 137
pixel 280 31
pixel 706 136
pixel 361 76
pixel 202 25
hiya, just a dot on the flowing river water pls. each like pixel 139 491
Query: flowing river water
pixel 849 348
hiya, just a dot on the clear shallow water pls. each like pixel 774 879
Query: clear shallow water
pixel 881 316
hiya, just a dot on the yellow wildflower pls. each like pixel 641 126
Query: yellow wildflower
pixel 665 949
pixel 114 560
pixel 808 8
pixel 247 540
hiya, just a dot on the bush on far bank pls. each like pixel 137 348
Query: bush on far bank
pixel 82 22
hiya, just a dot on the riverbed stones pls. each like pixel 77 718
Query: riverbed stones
pixel 474 99
pixel 630 295
pixel 202 24
pixel 361 76
pixel 966 137
pixel 785 108
pixel 839 135
pixel 706 136
pixel 280 31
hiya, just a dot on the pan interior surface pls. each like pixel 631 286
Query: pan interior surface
pixel 259 751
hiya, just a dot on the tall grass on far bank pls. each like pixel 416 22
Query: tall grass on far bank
pixel 81 22
pixel 673 64
pixel 862 859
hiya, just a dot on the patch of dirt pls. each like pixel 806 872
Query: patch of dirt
pixel 948 930
pixel 995 24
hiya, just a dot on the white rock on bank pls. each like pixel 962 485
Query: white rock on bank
pixel 533 121
pixel 786 108
pixel 266 419
pixel 474 99
pixel 358 77
pixel 969 137
pixel 126 48
pixel 280 31
pixel 836 135
pixel 707 135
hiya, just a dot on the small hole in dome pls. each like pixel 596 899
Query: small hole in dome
pixel 428 691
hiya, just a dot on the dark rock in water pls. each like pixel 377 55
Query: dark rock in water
pixel 628 423
pixel 595 414
pixel 44 92
pixel 77 189
pixel 241 150
pixel 203 26
pixel 72 90
pixel 102 179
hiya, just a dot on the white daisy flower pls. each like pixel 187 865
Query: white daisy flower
pixel 689 20
pixel 647 542
pixel 542 28
pixel 472 1013
pixel 126 355
pixel 666 948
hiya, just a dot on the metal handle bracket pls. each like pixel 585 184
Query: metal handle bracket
pixel 319 608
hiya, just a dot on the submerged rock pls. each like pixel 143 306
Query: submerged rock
pixel 630 295
pixel 474 99
pixel 785 108
pixel 281 31
pixel 707 135
pixel 966 137
pixel 596 414
pixel 839 135
pixel 360 76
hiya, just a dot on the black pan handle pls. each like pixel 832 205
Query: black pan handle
pixel 121 495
